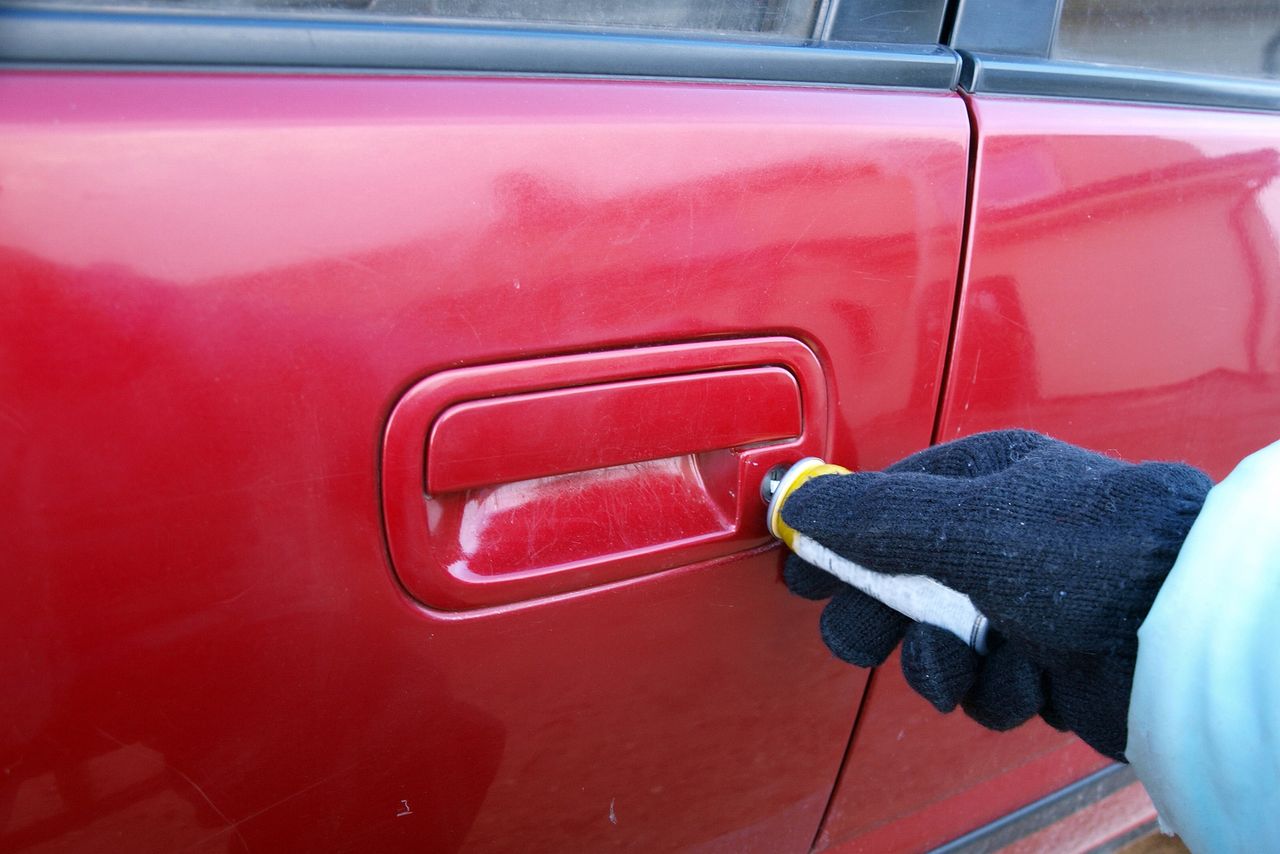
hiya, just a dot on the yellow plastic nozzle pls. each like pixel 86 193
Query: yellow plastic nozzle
pixel 796 476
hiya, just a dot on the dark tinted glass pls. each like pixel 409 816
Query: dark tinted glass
pixel 892 21
pixel 1240 38
pixel 793 18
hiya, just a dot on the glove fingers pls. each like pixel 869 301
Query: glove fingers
pixel 937 665
pixel 805 579
pixel 860 630
pixel 973 456
pixel 877 511
pixel 888 523
pixel 1008 690
pixel 913 519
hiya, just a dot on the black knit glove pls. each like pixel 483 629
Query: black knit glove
pixel 1062 549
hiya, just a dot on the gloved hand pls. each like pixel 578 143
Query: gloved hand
pixel 1062 549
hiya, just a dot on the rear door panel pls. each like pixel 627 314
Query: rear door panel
pixel 217 287
pixel 1122 292
pixel 1123 280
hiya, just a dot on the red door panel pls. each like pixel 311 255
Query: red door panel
pixel 1122 292
pixel 1125 266
pixel 217 287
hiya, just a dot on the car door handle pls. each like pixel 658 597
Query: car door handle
pixel 552 475
pixel 527 436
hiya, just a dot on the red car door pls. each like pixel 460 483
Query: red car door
pixel 386 405
pixel 1120 291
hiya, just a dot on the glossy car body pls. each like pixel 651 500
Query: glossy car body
pixel 1121 291
pixel 239 616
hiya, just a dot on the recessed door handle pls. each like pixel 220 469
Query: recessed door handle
pixel 510 482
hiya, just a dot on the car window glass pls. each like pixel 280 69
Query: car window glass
pixel 792 18
pixel 1233 37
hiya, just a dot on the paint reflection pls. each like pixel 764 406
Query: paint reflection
pixel 1133 310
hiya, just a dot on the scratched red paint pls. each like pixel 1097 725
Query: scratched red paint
pixel 215 289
